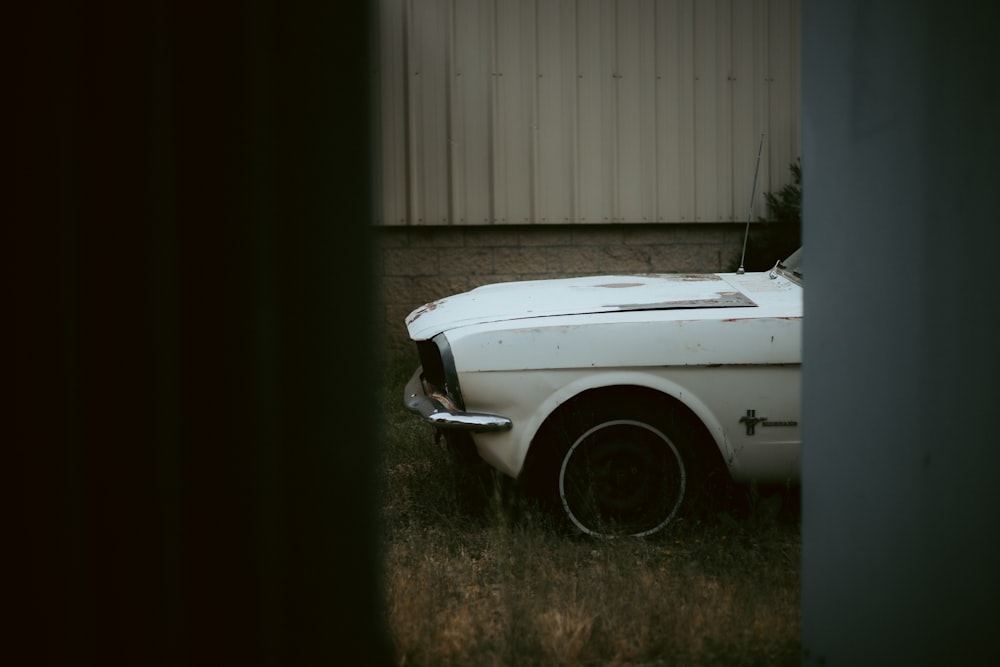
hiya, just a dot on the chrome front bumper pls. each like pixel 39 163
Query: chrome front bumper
pixel 438 409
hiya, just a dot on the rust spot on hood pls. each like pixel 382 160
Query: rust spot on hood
pixel 697 277
pixel 426 308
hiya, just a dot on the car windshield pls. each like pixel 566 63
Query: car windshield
pixel 791 267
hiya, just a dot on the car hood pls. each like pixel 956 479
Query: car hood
pixel 574 296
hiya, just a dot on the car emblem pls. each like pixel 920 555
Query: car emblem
pixel 751 420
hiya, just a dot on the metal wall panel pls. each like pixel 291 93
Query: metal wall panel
pixel 428 68
pixel 514 126
pixel 783 77
pixel 392 167
pixel 713 111
pixel 675 103
pixel 635 91
pixel 749 93
pixel 596 111
pixel 556 154
pixel 584 111
pixel 471 110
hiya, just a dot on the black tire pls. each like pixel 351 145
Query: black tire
pixel 619 465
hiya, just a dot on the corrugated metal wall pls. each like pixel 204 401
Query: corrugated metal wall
pixel 584 111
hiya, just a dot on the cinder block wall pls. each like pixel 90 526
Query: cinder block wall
pixel 420 264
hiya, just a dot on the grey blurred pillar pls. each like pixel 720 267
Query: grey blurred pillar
pixel 901 547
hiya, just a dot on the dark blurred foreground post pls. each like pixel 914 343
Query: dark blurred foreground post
pixel 901 160
pixel 195 419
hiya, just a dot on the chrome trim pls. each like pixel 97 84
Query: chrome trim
pixel 451 385
pixel 438 409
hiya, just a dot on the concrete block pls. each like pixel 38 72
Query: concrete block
pixel 437 237
pixel 624 259
pixel 601 235
pixel 492 237
pixel 546 236
pixel 685 259
pixel 392 237
pixel 573 260
pixel 410 262
pixel 466 261
pixel 519 260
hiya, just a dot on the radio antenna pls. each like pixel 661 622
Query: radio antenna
pixel 753 190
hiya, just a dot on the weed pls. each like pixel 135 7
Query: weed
pixel 474 577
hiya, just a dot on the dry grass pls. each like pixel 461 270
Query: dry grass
pixel 475 578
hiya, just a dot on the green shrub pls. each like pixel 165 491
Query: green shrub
pixel 778 233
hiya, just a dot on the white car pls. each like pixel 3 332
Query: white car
pixel 616 396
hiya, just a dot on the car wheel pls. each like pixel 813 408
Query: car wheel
pixel 621 468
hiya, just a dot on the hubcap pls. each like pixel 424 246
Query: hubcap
pixel 622 477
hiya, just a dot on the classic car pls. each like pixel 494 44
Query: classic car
pixel 617 397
